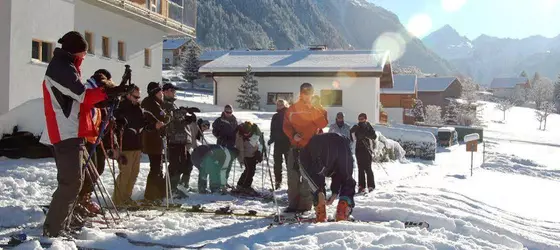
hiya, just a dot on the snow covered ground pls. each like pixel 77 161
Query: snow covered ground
pixel 509 203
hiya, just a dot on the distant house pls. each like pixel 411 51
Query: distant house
pixel 505 87
pixel 399 100
pixel 436 90
pixel 173 49
pixel 347 81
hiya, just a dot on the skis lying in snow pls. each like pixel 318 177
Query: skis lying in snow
pixel 18 239
pixel 201 210
pixel 150 244
pixel 282 220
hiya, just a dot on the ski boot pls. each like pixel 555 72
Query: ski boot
pixel 343 209
pixel 90 205
pixel 321 208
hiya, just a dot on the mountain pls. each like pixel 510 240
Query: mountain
pixel 487 57
pixel 295 24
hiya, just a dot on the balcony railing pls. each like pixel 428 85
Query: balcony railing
pixel 154 17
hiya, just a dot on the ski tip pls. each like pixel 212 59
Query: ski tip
pixel 121 235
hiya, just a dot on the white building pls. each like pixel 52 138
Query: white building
pixel 347 81
pixel 505 87
pixel 119 32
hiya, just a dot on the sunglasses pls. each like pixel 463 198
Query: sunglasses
pixel 362 120
pixel 136 97
pixel 228 112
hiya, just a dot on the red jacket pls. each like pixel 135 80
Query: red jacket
pixel 67 102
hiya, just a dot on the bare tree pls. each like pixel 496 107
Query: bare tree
pixel 469 112
pixel 433 115
pixel 542 114
pixel 504 106
pixel 406 70
pixel 542 91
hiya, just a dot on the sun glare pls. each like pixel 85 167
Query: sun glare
pixel 452 5
pixel 419 25
pixel 392 42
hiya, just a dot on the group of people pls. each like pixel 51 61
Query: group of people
pixel 93 122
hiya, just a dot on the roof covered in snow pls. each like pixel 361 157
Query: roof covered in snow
pixel 173 43
pixel 434 84
pixel 212 55
pixel 507 82
pixel 402 84
pixel 299 61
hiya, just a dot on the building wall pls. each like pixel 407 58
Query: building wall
pixel 358 94
pixel 503 93
pixel 167 54
pixel 136 37
pixel 5 40
pixel 45 20
pixel 395 115
pixel 431 98
pixel 396 100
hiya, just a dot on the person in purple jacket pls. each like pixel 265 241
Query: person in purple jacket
pixel 329 155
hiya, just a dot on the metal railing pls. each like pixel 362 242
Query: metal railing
pixel 131 7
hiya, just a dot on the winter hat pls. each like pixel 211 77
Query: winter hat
pixel 362 115
pixel 228 108
pixel 104 72
pixel 73 42
pixel 153 88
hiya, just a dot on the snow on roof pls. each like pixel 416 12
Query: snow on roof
pixel 507 82
pixel 402 84
pixel 212 55
pixel 299 61
pixel 434 84
pixel 446 129
pixel 173 43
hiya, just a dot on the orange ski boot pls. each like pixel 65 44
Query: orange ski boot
pixel 343 210
pixel 321 208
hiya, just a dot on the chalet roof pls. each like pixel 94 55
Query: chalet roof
pixel 402 84
pixel 299 61
pixel 507 82
pixel 173 43
pixel 434 84
pixel 212 54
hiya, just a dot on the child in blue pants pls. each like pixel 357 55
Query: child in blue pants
pixel 213 162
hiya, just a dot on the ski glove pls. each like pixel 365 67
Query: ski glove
pixel 269 142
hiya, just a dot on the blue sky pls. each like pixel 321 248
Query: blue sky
pixel 500 18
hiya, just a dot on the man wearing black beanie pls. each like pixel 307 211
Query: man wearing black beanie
pixel 67 105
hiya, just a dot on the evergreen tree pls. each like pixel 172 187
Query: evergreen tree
pixel 249 97
pixel 556 94
pixel 451 115
pixel 523 74
pixel 190 62
pixel 433 115
pixel 418 111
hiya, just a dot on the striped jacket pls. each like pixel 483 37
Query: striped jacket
pixel 67 102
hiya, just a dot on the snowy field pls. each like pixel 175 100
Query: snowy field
pixel 509 203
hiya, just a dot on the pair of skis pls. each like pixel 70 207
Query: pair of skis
pixel 282 220
pixel 16 240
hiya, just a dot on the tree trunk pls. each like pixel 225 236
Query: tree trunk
pixel 504 116
pixel 545 123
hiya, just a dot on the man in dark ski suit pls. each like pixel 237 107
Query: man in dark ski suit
pixel 280 140
pixel 225 129
pixel 329 155
pixel 364 135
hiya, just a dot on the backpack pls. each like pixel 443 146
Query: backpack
pixel 178 131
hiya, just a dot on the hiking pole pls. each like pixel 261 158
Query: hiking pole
pixel 272 184
pixel 102 189
pixel 91 175
pixel 167 178
pixel 117 191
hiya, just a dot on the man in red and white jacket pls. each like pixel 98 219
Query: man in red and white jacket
pixel 67 104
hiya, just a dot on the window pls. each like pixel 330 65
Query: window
pixel 41 50
pixel 330 98
pixel 89 39
pixel 272 97
pixel 122 53
pixel 147 58
pixel 105 45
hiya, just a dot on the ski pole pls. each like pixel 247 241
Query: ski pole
pixel 272 184
pixel 103 189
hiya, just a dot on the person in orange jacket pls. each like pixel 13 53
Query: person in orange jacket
pixel 301 121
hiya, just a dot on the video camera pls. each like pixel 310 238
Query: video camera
pixel 185 114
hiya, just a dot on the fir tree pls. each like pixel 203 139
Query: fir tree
pixel 249 97
pixel 451 115
pixel 418 111
pixel 190 63
pixel 433 115
pixel 556 93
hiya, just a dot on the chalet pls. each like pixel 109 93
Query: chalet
pixel 347 81
pixel 398 101
pixel 173 49
pixel 437 90
pixel 118 32
pixel 505 87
